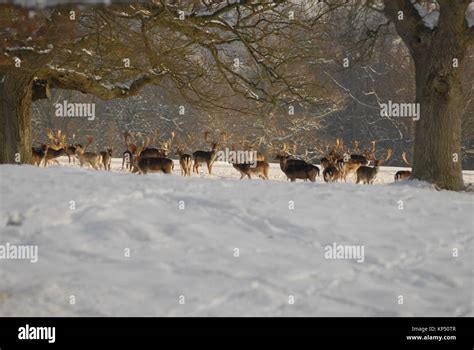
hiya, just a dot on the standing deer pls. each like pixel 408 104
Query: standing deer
pixel 150 164
pixel 154 152
pixel 88 158
pixel 70 150
pixel 332 172
pixel 55 147
pixel 207 157
pixel 367 174
pixel 259 168
pixel 185 160
pixel 403 174
pixel 296 168
pixel 106 158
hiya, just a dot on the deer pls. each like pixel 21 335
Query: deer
pixel 352 162
pixel 154 152
pixel 38 154
pixel 296 168
pixel 248 146
pixel 185 160
pixel 150 164
pixel 258 167
pixel 403 174
pixel 106 158
pixel 367 174
pixel 332 172
pixel 70 150
pixel 91 158
pixel 207 157
pixel 55 147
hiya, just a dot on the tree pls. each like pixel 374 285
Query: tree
pixel 439 54
pixel 237 48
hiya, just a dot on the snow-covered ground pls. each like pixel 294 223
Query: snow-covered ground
pixel 117 244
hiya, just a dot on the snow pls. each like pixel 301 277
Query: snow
pixel 190 252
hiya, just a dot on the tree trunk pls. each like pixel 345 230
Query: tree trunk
pixel 15 117
pixel 437 146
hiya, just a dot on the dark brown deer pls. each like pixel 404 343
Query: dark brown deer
pixel 185 160
pixel 154 152
pixel 296 168
pixel 70 150
pixel 154 165
pixel 367 174
pixel 106 158
pixel 207 157
pixel 403 174
pixel 332 172
pixel 38 154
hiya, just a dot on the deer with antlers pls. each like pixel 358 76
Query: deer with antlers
pixel 258 167
pixel 208 157
pixel 250 147
pixel 155 152
pixel 296 168
pixel 145 165
pixel 367 174
pixel 88 158
pixel 54 148
pixel 70 150
pixel 403 174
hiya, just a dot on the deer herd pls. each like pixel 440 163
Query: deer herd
pixel 140 157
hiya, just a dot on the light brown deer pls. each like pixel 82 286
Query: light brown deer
pixel 88 158
pixel 367 174
pixel 55 147
pixel 257 167
pixel 403 174
pixel 207 157
pixel 250 147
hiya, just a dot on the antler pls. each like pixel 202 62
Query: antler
pixel 155 137
pixel 373 146
pixel 223 137
pixel 355 144
pixel 404 158
pixel 389 154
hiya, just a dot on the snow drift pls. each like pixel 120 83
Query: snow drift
pixel 116 244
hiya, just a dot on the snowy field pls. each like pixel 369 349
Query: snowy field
pixel 117 244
